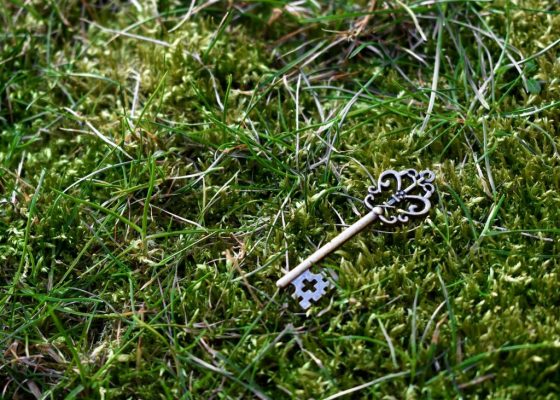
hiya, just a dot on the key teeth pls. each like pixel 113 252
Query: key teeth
pixel 321 284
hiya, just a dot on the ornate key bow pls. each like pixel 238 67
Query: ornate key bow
pixel 396 198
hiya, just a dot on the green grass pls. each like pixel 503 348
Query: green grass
pixel 162 164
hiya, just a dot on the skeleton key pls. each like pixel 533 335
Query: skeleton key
pixel 407 195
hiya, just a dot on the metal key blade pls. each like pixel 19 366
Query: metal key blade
pixel 320 286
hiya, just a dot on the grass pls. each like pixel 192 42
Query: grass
pixel 161 164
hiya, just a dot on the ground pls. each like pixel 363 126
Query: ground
pixel 162 164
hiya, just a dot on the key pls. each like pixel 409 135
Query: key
pixel 397 197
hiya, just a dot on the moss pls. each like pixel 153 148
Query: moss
pixel 146 264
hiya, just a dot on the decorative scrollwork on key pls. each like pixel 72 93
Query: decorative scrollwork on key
pixel 401 195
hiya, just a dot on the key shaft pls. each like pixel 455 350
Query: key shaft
pixel 331 246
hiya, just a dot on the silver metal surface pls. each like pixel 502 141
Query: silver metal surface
pixel 319 285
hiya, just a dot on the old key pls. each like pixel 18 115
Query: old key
pixel 407 195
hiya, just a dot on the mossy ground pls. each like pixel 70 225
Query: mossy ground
pixel 161 164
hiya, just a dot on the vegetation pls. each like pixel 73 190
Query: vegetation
pixel 162 163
